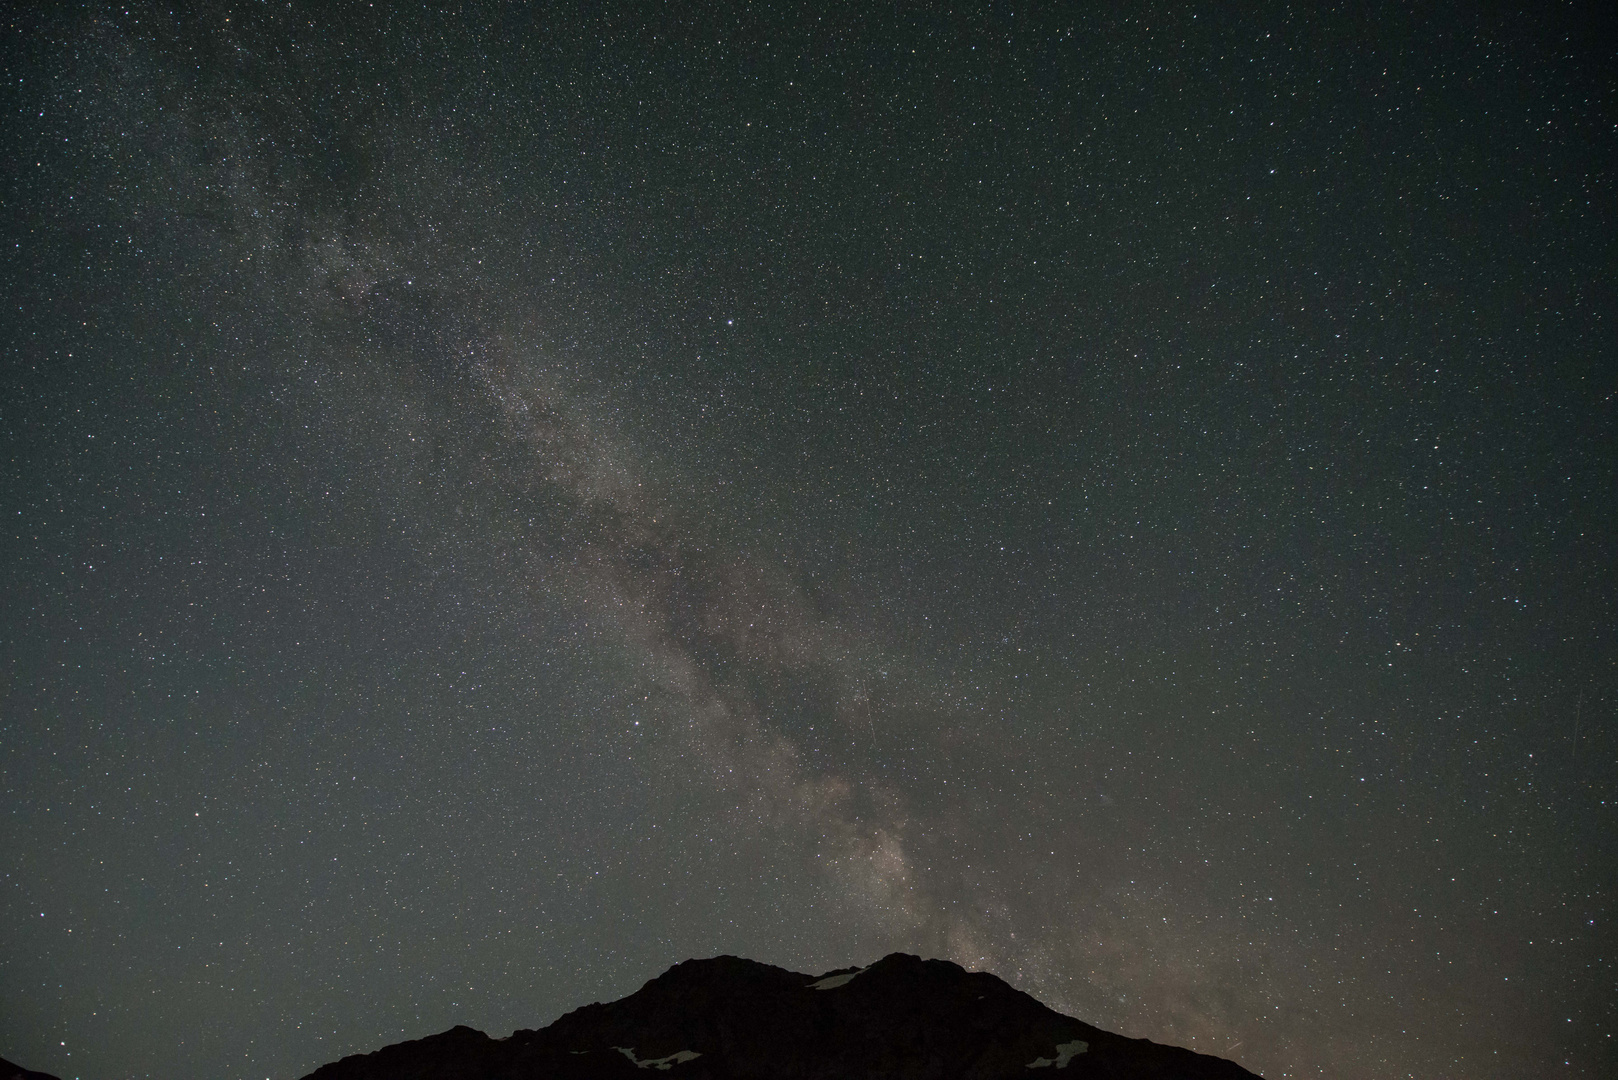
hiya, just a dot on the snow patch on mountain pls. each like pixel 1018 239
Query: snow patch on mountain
pixel 679 1057
pixel 1065 1052
pixel 834 981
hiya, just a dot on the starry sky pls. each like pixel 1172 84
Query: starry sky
pixel 498 501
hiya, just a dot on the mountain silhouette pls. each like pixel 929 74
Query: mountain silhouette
pixel 728 1019
pixel 10 1071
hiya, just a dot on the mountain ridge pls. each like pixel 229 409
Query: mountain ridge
pixel 12 1071
pixel 729 1018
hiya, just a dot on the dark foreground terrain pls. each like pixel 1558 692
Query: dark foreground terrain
pixel 901 1017
pixel 9 1071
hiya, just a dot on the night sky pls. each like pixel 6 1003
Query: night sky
pixel 499 502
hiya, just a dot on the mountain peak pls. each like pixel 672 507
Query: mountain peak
pixel 729 1017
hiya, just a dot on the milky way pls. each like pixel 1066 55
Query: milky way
pixel 504 503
